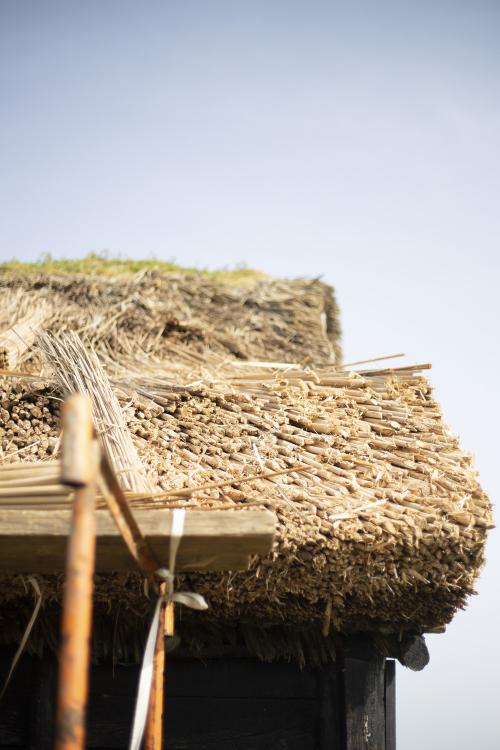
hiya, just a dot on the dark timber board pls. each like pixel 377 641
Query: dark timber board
pixel 212 723
pixel 330 729
pixel 364 696
pixel 228 704
pixel 220 704
pixel 214 678
pixel 14 707
pixel 390 705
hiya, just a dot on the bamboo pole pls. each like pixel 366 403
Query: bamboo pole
pixel 148 564
pixel 153 733
pixel 77 602
pixel 125 521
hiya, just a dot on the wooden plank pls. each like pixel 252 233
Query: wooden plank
pixel 213 678
pixel 220 704
pixel 364 693
pixel 15 702
pixel 42 701
pixel 330 731
pixel 34 541
pixel 11 725
pixel 212 723
pixel 390 704
pixel 235 704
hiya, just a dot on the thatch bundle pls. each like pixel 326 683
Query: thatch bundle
pixel 19 321
pixel 179 317
pixel 381 521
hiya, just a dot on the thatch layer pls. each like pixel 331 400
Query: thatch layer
pixel 19 321
pixel 180 316
pixel 381 521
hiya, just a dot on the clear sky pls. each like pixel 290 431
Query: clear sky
pixel 357 140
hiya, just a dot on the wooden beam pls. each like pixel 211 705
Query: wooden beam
pixel 34 541
pixel 390 704
pixel 413 652
pixel 364 696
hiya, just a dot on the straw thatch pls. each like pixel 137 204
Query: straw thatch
pixel 180 316
pixel 381 521
pixel 19 321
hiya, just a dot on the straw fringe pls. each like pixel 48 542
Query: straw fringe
pixel 78 370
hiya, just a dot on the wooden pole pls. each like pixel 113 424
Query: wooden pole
pixel 390 704
pixel 77 466
pixel 364 694
pixel 79 470
pixel 126 523
pixel 153 733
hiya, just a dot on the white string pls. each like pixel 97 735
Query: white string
pixel 189 599
pixel 142 702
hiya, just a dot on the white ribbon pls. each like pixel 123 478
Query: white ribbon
pixel 189 599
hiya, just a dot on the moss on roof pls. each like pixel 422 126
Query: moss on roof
pixel 106 265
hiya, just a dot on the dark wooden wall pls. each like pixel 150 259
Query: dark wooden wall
pixel 230 703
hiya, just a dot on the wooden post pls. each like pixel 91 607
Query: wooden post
pixel 79 470
pixel 153 733
pixel 364 696
pixel 390 704
pixel 77 466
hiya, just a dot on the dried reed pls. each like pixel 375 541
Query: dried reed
pixel 78 369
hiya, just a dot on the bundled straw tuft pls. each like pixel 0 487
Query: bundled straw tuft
pixel 16 340
pixel 78 370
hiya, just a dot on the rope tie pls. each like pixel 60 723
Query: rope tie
pixel 189 599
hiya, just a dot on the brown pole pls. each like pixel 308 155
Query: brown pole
pixel 80 464
pixel 153 732
pixel 153 735
pixel 125 521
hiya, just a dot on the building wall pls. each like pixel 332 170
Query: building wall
pixel 230 703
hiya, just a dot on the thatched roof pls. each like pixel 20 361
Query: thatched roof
pixel 179 316
pixel 381 521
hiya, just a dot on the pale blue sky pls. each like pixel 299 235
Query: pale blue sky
pixel 358 140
